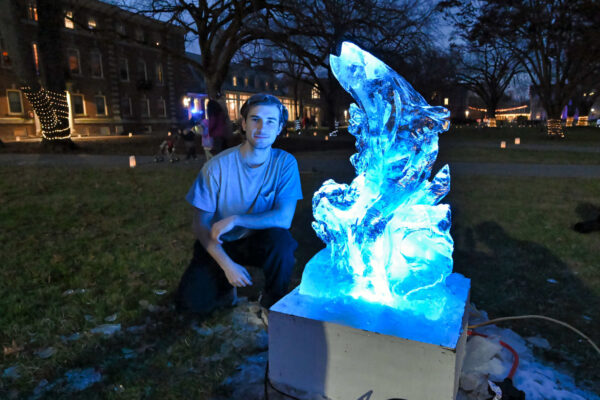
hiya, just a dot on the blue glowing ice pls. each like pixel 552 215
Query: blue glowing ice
pixel 388 238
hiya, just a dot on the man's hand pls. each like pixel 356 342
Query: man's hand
pixel 222 227
pixel 237 275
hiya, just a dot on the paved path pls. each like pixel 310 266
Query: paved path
pixel 330 161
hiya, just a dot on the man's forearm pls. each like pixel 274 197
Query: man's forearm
pixel 265 220
pixel 212 247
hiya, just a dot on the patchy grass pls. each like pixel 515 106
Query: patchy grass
pixel 573 135
pixel 121 234
pixel 515 154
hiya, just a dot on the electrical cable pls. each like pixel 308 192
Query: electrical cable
pixel 493 321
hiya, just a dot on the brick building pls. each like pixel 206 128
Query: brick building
pixel 123 72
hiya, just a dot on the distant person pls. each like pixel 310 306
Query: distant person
pixel 244 199
pixel 217 126
pixel 207 140
pixel 189 141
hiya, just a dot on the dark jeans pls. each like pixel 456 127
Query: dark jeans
pixel 204 286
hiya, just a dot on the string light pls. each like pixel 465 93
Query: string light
pixel 555 128
pixel 52 109
pixel 499 109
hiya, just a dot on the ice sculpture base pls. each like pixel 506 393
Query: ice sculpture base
pixel 315 353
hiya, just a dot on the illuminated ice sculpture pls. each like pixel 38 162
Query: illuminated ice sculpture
pixel 388 238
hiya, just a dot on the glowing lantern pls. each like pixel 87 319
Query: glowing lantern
pixel 517 140
pixel 503 144
pixel 132 162
pixel 130 134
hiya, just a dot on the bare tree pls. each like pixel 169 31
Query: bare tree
pixel 556 42
pixel 313 29
pixel 487 70
pixel 220 28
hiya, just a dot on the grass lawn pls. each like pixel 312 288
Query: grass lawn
pixel 124 235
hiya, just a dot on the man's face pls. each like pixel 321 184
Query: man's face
pixel 262 125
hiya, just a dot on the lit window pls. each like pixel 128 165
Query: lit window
pixel 124 69
pixel 32 11
pixel 246 81
pixel 77 104
pixel 314 93
pixel 159 74
pixel 69 20
pixel 234 81
pixel 36 58
pixel 15 101
pixel 96 64
pixel 446 101
pixel 73 61
pixel 142 71
pixel 275 87
pixel 92 23
pixel 145 108
pixel 267 85
pixel 162 107
pixel 100 105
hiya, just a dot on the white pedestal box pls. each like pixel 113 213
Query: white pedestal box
pixel 321 350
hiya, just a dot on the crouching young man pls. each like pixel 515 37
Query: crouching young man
pixel 244 200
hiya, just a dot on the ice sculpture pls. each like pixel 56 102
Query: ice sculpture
pixel 388 238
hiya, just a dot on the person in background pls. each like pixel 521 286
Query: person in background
pixel 189 141
pixel 217 126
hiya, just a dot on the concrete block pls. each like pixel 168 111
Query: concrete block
pixel 317 351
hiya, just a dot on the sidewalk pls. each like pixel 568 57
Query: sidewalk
pixel 329 162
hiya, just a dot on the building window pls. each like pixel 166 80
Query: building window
pixel 96 64
pixel 446 101
pixel 234 80
pixel 124 69
pixel 32 10
pixel 267 85
pixel 162 107
pixel 142 71
pixel 69 24
pixel 145 108
pixel 77 104
pixel 92 23
pixel 73 61
pixel 246 81
pixel 120 28
pixel 100 105
pixel 275 87
pixel 15 101
pixel 36 58
pixel 314 93
pixel 126 107
pixel 159 74
pixel 140 36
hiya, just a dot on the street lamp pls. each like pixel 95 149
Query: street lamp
pixel 466 113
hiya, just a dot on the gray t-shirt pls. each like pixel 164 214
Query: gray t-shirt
pixel 228 186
